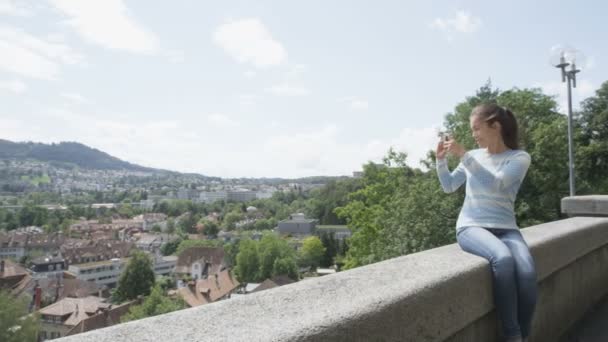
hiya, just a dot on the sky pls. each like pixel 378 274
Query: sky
pixel 274 88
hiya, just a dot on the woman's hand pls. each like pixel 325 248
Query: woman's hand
pixel 441 150
pixel 454 148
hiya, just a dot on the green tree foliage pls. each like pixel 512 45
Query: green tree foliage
pixel 231 219
pixel 592 144
pixel 260 260
pixel 248 261
pixel 210 228
pixel 390 216
pixel 285 266
pixel 324 200
pixel 331 248
pixel 137 279
pixel 401 210
pixel 272 247
pixel 155 304
pixel 170 247
pixel 312 252
pixel 16 325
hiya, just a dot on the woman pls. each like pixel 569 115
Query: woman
pixel 486 225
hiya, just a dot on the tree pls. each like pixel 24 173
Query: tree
pixel 248 262
pixel 137 278
pixel 285 266
pixel 400 210
pixel 231 219
pixel 591 144
pixel 188 222
pixel 312 252
pixel 170 247
pixel 272 247
pixel 170 225
pixel 156 228
pixel 155 304
pixel 16 325
pixel 331 248
pixel 210 228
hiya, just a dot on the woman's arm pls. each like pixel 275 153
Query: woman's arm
pixel 450 182
pixel 513 172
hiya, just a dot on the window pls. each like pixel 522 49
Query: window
pixel 51 267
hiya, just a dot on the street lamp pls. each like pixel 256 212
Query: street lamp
pixel 562 57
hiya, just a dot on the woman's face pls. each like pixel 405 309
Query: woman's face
pixel 484 133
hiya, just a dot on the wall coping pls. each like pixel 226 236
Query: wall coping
pixel 591 205
pixel 426 296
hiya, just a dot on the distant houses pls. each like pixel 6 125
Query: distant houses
pixel 297 225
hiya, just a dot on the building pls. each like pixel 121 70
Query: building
pixel 153 242
pixel 297 224
pixel 204 291
pixel 104 318
pixel 198 262
pixel 16 245
pixel 241 195
pixel 164 265
pixel 53 290
pixel 105 272
pixel 340 232
pixel 12 248
pixel 213 196
pixel 84 251
pixel 273 282
pixel 47 267
pixel 56 320
pixel 11 274
pixel 151 219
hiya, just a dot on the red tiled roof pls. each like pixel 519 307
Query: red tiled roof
pixel 209 290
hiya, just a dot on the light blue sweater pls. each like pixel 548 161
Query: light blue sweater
pixel 492 182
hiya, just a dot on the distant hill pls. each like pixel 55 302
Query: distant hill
pixel 67 152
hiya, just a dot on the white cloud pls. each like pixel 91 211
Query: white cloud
pixel 221 120
pixel 249 41
pixel 355 103
pixel 248 99
pixel 321 152
pixel 296 71
pixel 27 55
pixel 583 90
pixel 462 22
pixel 75 97
pixel 15 86
pixel 285 89
pixel 590 63
pixel 175 56
pixel 15 8
pixel 189 146
pixel 249 74
pixel 108 23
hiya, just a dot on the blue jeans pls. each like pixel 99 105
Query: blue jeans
pixel 513 273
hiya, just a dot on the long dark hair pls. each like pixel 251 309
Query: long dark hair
pixel 490 113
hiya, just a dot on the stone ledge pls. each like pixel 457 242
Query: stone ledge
pixel 428 296
pixel 593 205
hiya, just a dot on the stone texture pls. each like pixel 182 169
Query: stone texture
pixel 593 205
pixel 436 295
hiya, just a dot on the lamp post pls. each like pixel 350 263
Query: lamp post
pixel 562 58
